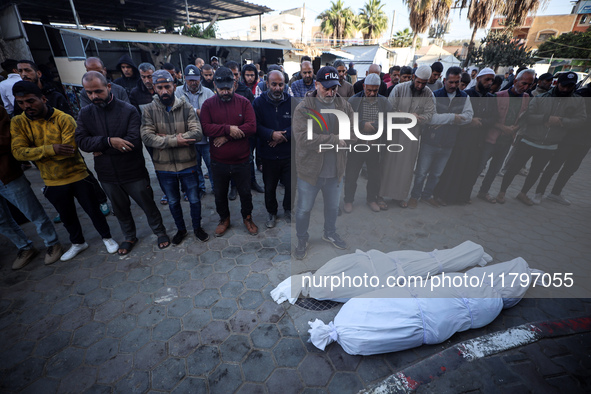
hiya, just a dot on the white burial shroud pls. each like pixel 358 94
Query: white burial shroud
pixel 401 263
pixel 395 319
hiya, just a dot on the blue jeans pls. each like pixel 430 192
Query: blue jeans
pixel 331 193
pixel 188 180
pixel 203 153
pixel 431 162
pixel 20 194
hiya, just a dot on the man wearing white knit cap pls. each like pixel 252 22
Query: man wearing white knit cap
pixel 397 169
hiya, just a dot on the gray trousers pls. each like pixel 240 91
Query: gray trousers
pixel 141 192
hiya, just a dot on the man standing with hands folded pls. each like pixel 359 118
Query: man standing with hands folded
pixel 228 120
pixel 171 127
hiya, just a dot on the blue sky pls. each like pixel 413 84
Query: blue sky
pixel 460 26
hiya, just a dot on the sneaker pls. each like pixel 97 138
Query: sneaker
pixel 271 220
pixel 558 198
pixel 537 198
pixel 250 226
pixel 73 251
pixel 201 235
pixel 522 197
pixel 348 207
pixel 105 209
pixel 233 194
pixel 202 193
pixel 54 252
pixel 57 219
pixel 179 236
pixel 24 257
pixel 111 245
pixel 301 250
pixel 287 216
pixel 335 240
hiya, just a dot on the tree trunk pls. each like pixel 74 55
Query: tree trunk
pixel 414 41
pixel 470 47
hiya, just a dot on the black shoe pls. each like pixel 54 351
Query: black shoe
pixel 233 194
pixel 178 237
pixel 256 187
pixel 287 216
pixel 202 194
pixel 271 220
pixel 201 235
pixel 335 240
pixel 301 250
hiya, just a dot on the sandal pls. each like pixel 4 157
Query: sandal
pixel 382 204
pixel 164 200
pixel 163 239
pixel 127 246
pixel 488 198
pixel 500 198
pixel 402 204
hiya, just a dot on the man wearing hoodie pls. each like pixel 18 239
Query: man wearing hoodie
pixel 273 113
pixel 130 74
pixel 250 76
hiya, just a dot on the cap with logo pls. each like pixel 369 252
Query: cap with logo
pixel 192 73
pixel 328 77
pixel 223 78
pixel 569 78
pixel 161 76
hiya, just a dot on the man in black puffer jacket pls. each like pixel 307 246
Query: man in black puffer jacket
pixel 110 129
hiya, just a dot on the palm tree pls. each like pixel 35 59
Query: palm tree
pixel 338 21
pixel 402 38
pixel 480 12
pixel 423 12
pixel 372 19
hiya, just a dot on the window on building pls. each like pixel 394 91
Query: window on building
pixel 544 35
pixel 318 38
pixel 275 27
pixel 264 28
pixel 583 19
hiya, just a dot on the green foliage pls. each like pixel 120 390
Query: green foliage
pixel 338 21
pixel 574 45
pixel 402 38
pixel 198 31
pixel 500 49
pixel 372 19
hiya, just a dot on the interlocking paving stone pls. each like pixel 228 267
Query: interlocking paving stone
pixel 43 385
pixel 64 362
pixel 270 312
pixel 315 370
pixel 215 332
pixel 115 368
pixel 134 382
pixel 265 336
pixel 224 309
pixel 210 257
pixel 239 273
pixel 256 281
pixel 243 322
pixel 232 289
pixel 29 316
pixel 107 311
pixel 168 374
pixel 135 339
pixel 151 284
pixel 22 375
pixel 246 259
pixel 16 354
pixel 151 316
pixel 164 267
pixel 343 361
pixel 201 271
pixel 225 379
pixel 183 343
pixel 257 366
pixel 176 278
pixel 224 265
pixel 191 385
pixel 179 307
pixel 206 298
pixel 286 381
pixel 88 334
pixel 196 319
pixel 137 303
pixel 167 328
pixel 345 382
pixel 102 351
pixel 52 344
pixel 251 388
pixel 150 355
pixel 114 279
pixel 87 286
pixel 235 348
pixel 250 299
pixel 190 288
pixel 289 352
pixel 97 297
pixel 232 252
pixel 124 291
pixel 79 380
pixel 203 360
pixel 373 368
pixel 139 274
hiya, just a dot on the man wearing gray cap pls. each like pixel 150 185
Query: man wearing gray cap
pixel 544 84
pixel 171 127
pixel 397 169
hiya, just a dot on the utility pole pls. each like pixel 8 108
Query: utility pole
pixel 392 28
pixel 260 28
pixel 303 22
